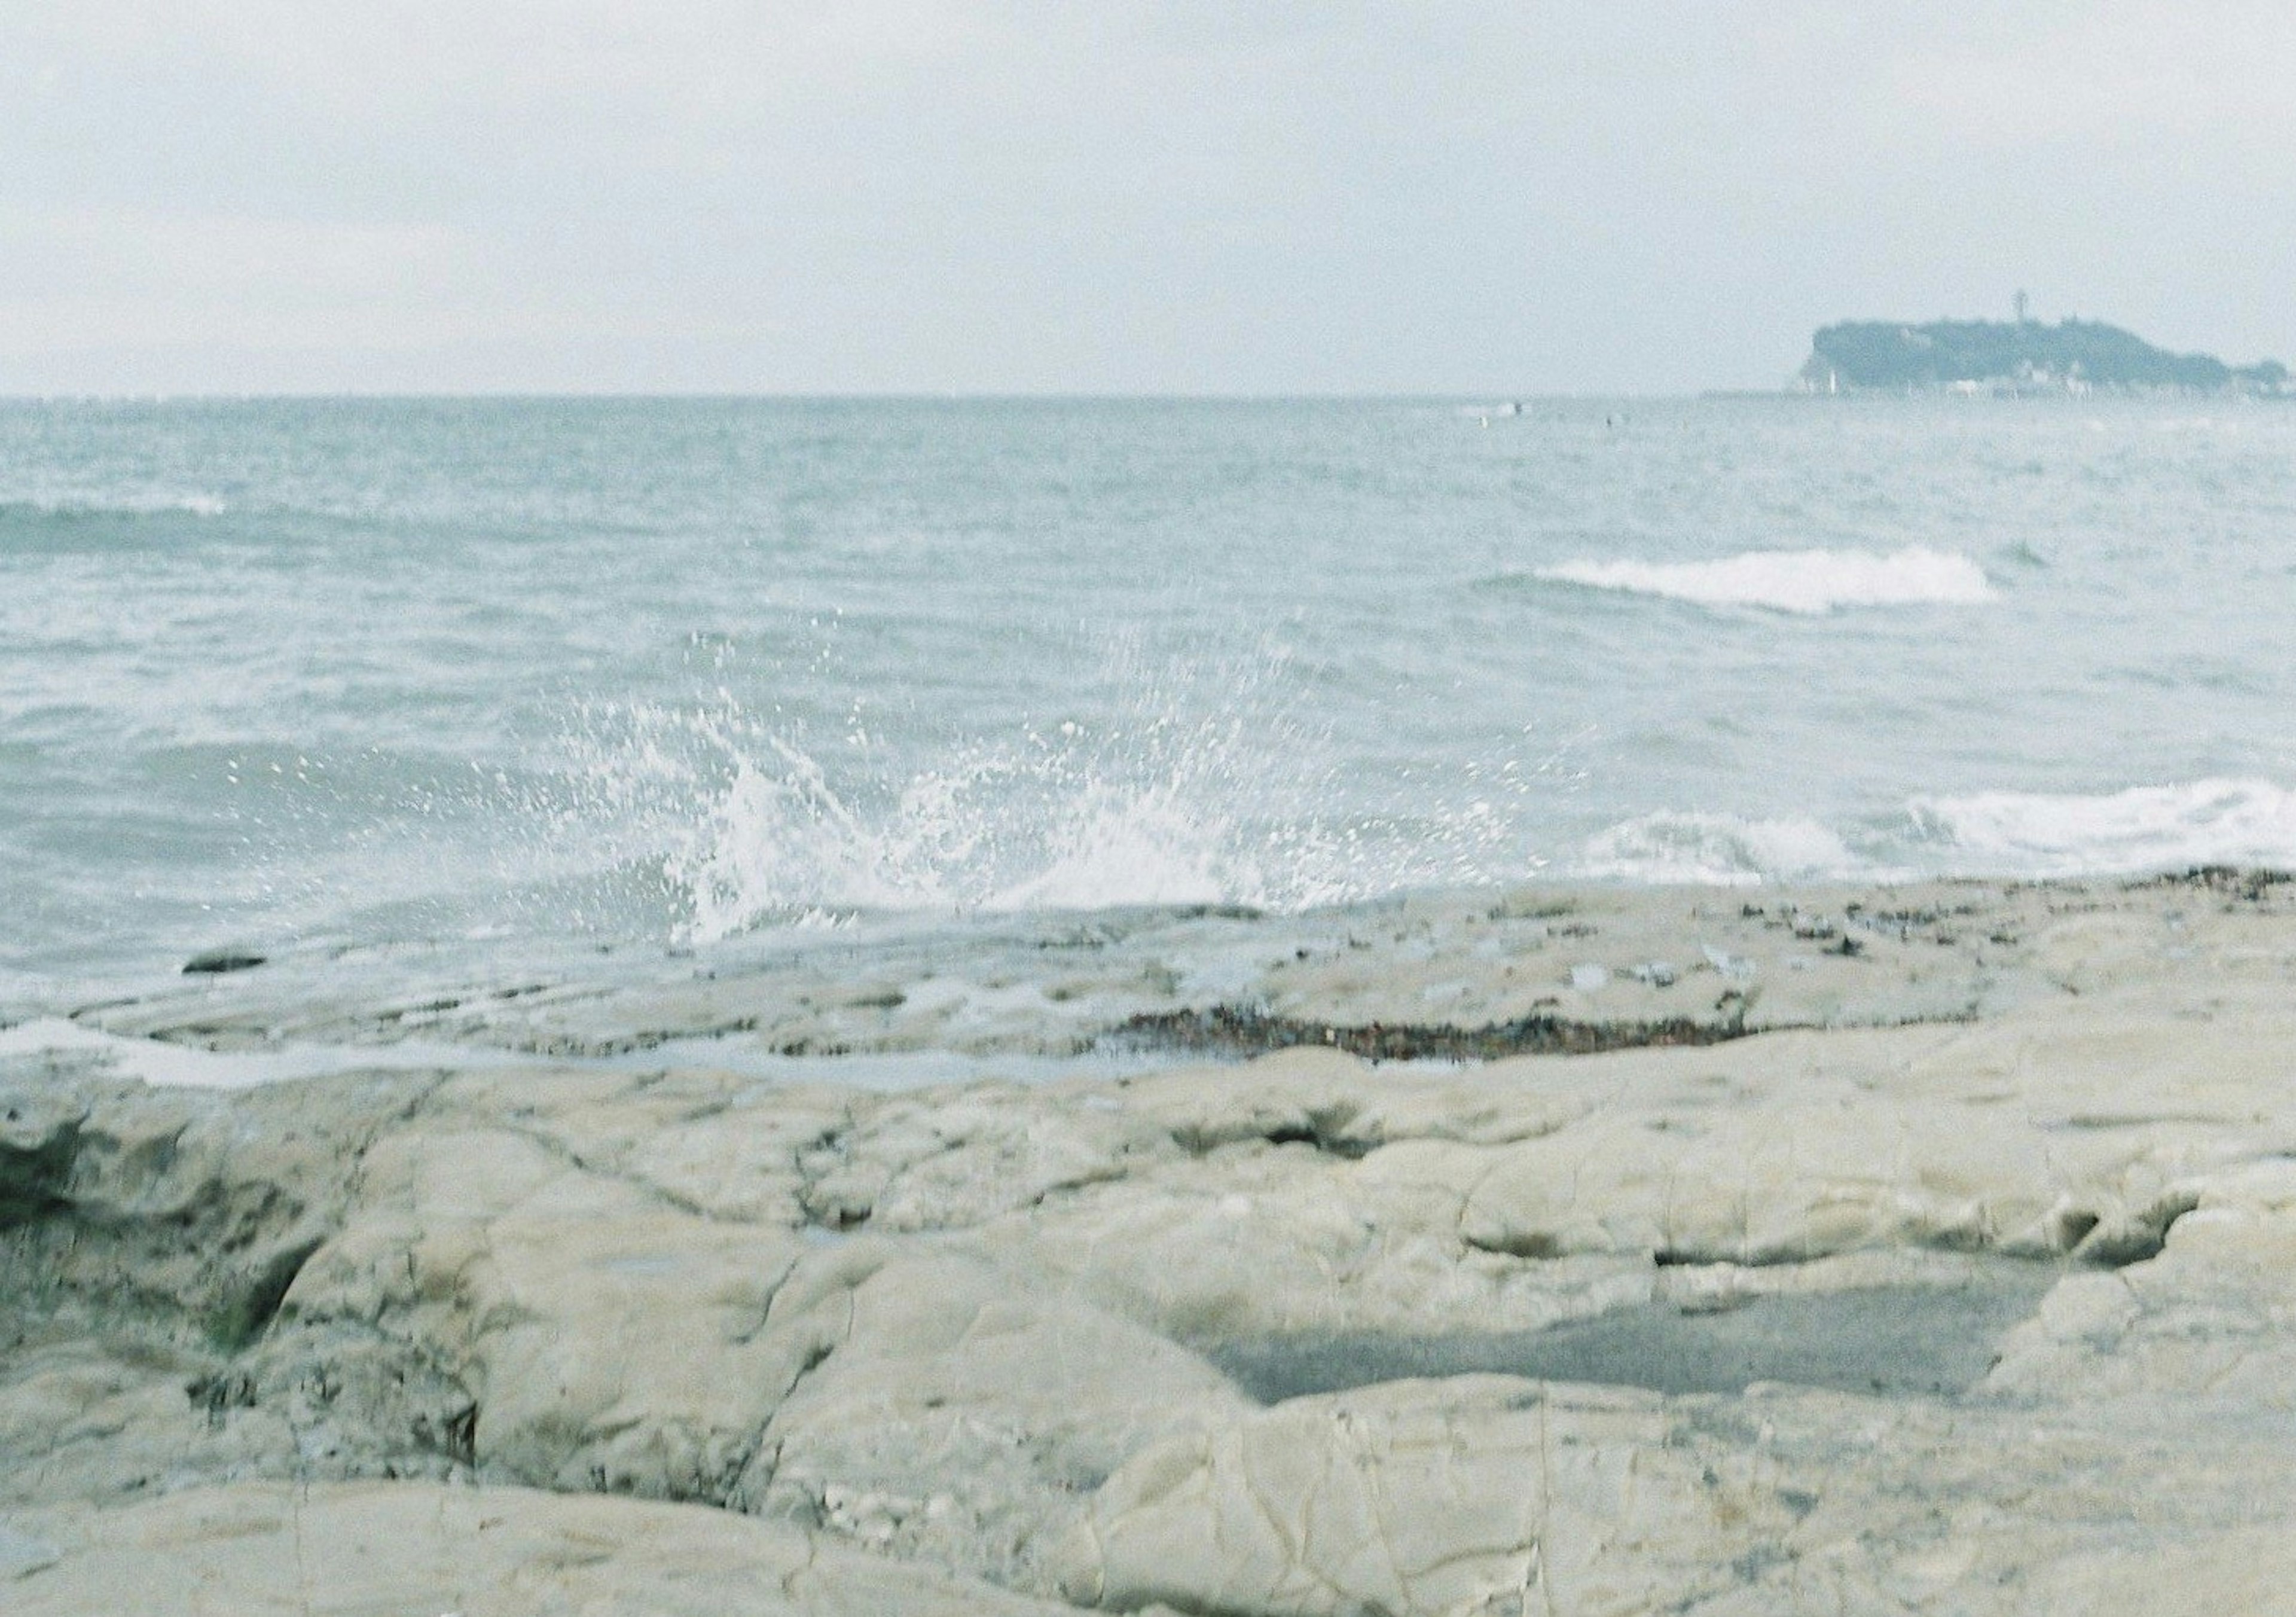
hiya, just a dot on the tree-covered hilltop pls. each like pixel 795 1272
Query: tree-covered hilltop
pixel 2021 355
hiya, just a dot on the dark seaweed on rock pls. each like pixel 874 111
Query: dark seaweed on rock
pixel 1232 1031
pixel 2248 884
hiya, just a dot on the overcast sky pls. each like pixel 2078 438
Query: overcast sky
pixel 1223 196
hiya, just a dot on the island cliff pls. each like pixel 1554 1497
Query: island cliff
pixel 2019 355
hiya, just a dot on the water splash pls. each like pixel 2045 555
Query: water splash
pixel 996 828
pixel 1171 799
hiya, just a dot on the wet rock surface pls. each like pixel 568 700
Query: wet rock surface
pixel 1938 1337
pixel 1989 1305
pixel 1542 970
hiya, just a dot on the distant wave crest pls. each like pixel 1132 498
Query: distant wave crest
pixel 2209 822
pixel 1804 582
pixel 124 503
pixel 71 523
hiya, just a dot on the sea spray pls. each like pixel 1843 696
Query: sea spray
pixel 753 821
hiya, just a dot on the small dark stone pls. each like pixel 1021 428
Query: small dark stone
pixel 215 961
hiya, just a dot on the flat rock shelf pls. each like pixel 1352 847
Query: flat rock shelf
pixel 1950 1267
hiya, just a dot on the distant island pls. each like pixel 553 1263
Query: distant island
pixel 2017 357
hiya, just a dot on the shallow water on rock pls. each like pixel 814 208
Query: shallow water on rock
pixel 1895 1341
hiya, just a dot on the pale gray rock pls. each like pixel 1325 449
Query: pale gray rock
pixel 1470 1496
pixel 1971 1295
pixel 340 1549
pixel 610 1340
pixel 964 1410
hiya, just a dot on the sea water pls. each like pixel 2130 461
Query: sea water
pixel 512 677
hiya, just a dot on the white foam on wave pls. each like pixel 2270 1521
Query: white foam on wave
pixel 2216 820
pixel 1717 850
pixel 1809 582
pixel 128 502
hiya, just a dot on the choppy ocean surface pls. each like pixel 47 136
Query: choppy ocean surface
pixel 513 678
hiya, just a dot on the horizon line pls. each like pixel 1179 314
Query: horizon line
pixel 885 395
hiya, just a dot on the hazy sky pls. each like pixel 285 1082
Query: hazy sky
pixel 1114 195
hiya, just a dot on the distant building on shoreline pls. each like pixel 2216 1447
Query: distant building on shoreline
pixel 2014 357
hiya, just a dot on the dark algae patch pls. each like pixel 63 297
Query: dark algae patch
pixel 1230 1030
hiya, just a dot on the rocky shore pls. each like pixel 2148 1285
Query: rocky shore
pixel 1575 1252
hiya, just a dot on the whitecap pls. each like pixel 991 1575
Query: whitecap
pixel 123 502
pixel 1717 850
pixel 2216 820
pixel 1802 581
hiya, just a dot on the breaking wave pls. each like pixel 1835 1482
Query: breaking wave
pixel 2209 822
pixel 1720 850
pixel 64 524
pixel 125 503
pixel 1803 581
pixel 1986 833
